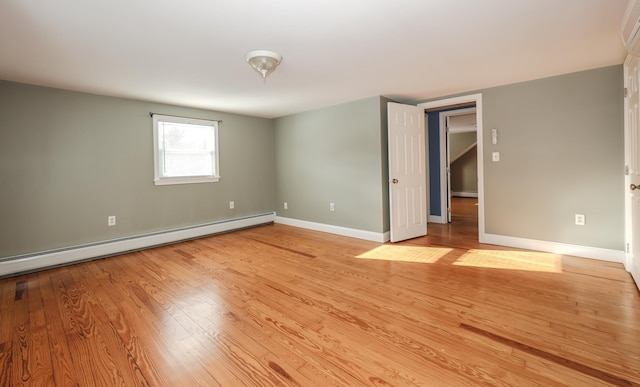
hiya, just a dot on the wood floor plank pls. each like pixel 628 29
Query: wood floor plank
pixel 92 345
pixel 20 362
pixel 7 301
pixel 6 376
pixel 41 369
pixel 285 334
pixel 211 311
pixel 61 360
pixel 133 369
pixel 158 329
pixel 156 353
pixel 126 331
pixel 399 331
pixel 283 306
pixel 217 343
pixel 581 368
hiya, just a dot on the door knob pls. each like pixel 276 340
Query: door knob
pixel 634 187
pixel 395 181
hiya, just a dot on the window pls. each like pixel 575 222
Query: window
pixel 185 150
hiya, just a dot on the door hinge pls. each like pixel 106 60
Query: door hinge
pixel 626 92
pixel 626 170
pixel 628 248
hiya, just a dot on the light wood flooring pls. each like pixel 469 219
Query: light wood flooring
pixel 282 306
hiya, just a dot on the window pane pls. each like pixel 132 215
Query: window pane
pixel 177 136
pixel 187 164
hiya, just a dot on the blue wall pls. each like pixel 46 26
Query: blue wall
pixel 433 122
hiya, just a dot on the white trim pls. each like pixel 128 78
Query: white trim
pixel 444 173
pixel 437 219
pixel 331 229
pixel 617 256
pixel 466 129
pixel 465 194
pixel 427 166
pixel 31 262
pixel 477 99
pixel 158 155
pixel 452 101
pixel 186 180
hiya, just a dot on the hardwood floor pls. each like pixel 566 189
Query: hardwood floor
pixel 277 305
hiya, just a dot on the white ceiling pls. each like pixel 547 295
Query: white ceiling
pixel 191 52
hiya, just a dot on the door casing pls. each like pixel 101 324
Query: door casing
pixel 477 100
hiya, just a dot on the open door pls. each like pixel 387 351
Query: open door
pixel 632 166
pixel 407 172
pixel 451 121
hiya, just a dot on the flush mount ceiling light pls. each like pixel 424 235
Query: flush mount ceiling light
pixel 263 61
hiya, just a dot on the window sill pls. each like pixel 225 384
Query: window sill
pixel 190 180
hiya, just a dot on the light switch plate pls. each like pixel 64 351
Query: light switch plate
pixel 495 156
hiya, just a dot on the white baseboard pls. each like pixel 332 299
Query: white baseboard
pixel 555 247
pixel 344 231
pixel 37 261
pixel 465 194
pixel 634 269
pixel 437 219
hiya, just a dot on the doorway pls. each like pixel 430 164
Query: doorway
pixel 451 103
pixel 462 173
pixel 458 146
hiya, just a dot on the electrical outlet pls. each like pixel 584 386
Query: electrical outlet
pixel 580 220
pixel 232 205
pixel 495 156
pixel 286 206
pixel 332 207
pixel 111 220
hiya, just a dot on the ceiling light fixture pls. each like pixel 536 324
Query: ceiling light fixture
pixel 263 61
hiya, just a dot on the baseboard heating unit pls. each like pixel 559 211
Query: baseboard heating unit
pixel 26 263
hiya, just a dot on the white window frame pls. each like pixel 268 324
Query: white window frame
pixel 159 178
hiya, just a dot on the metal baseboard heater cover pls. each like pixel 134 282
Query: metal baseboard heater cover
pixel 26 263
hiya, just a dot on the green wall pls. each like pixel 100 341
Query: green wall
pixel 68 160
pixel 336 154
pixel 561 144
pixel 464 169
pixel 561 151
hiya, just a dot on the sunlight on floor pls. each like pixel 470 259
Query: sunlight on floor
pixel 406 253
pixel 491 259
pixel 512 260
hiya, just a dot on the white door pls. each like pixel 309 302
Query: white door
pixel 407 172
pixel 448 167
pixel 632 166
pixel 459 120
